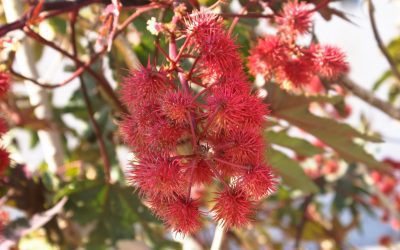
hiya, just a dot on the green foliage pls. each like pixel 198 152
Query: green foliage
pixel 339 136
pixel 291 172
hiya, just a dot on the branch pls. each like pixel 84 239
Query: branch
pixel 368 97
pixel 379 41
pixel 249 15
pixel 300 226
pixel 101 80
pixel 74 75
pixel 96 128
pixel 51 9
pixel 218 236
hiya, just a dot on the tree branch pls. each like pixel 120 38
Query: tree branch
pixel 368 97
pixel 379 41
pixel 101 80
pixel 96 128
pixel 50 9
pixel 300 226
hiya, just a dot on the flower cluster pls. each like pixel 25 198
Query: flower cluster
pixel 280 57
pixel 4 156
pixel 196 127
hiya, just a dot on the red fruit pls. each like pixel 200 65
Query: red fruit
pixel 218 51
pixel 200 170
pixel 300 158
pixel 158 177
pixel 296 71
pixel 241 147
pixel 4 219
pixel 385 240
pixel 4 160
pixel 4 83
pixel 269 54
pixel 233 207
pixel 315 86
pixel 259 181
pixel 385 216
pixel 388 184
pixel 228 111
pixel 201 24
pixel 295 18
pixel 144 85
pixel 183 216
pixel 330 61
pixel 330 167
pixel 3 126
pixel 176 106
pixel 376 176
pixel 395 223
pixel 375 200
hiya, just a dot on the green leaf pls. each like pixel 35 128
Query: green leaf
pixel 300 146
pixel 339 136
pixel 291 172
pixel 382 79
pixel 394 92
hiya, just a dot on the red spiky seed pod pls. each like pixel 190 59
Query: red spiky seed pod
pixel 233 207
pixel 3 126
pixel 4 160
pixel 269 53
pixel 158 177
pixel 295 18
pixel 177 106
pixel 4 83
pixel 144 85
pixel 330 61
pixel 227 110
pixel 183 216
pixel 244 146
pixel 199 171
pixel 258 181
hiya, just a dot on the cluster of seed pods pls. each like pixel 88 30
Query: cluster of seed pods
pixel 195 127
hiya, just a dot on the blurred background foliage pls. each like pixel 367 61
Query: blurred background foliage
pixel 309 145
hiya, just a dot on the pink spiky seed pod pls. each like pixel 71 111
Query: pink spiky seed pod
pixel 295 18
pixel 177 106
pixel 330 61
pixel 158 177
pixel 269 53
pixel 233 207
pixel 144 85
pixel 183 216
pixel 245 146
pixel 228 111
pixel 258 181
pixel 199 171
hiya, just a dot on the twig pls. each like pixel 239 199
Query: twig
pixel 101 80
pixel 50 9
pixel 74 75
pixel 96 128
pixel 300 226
pixel 249 15
pixel 368 97
pixel 219 236
pixel 385 52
